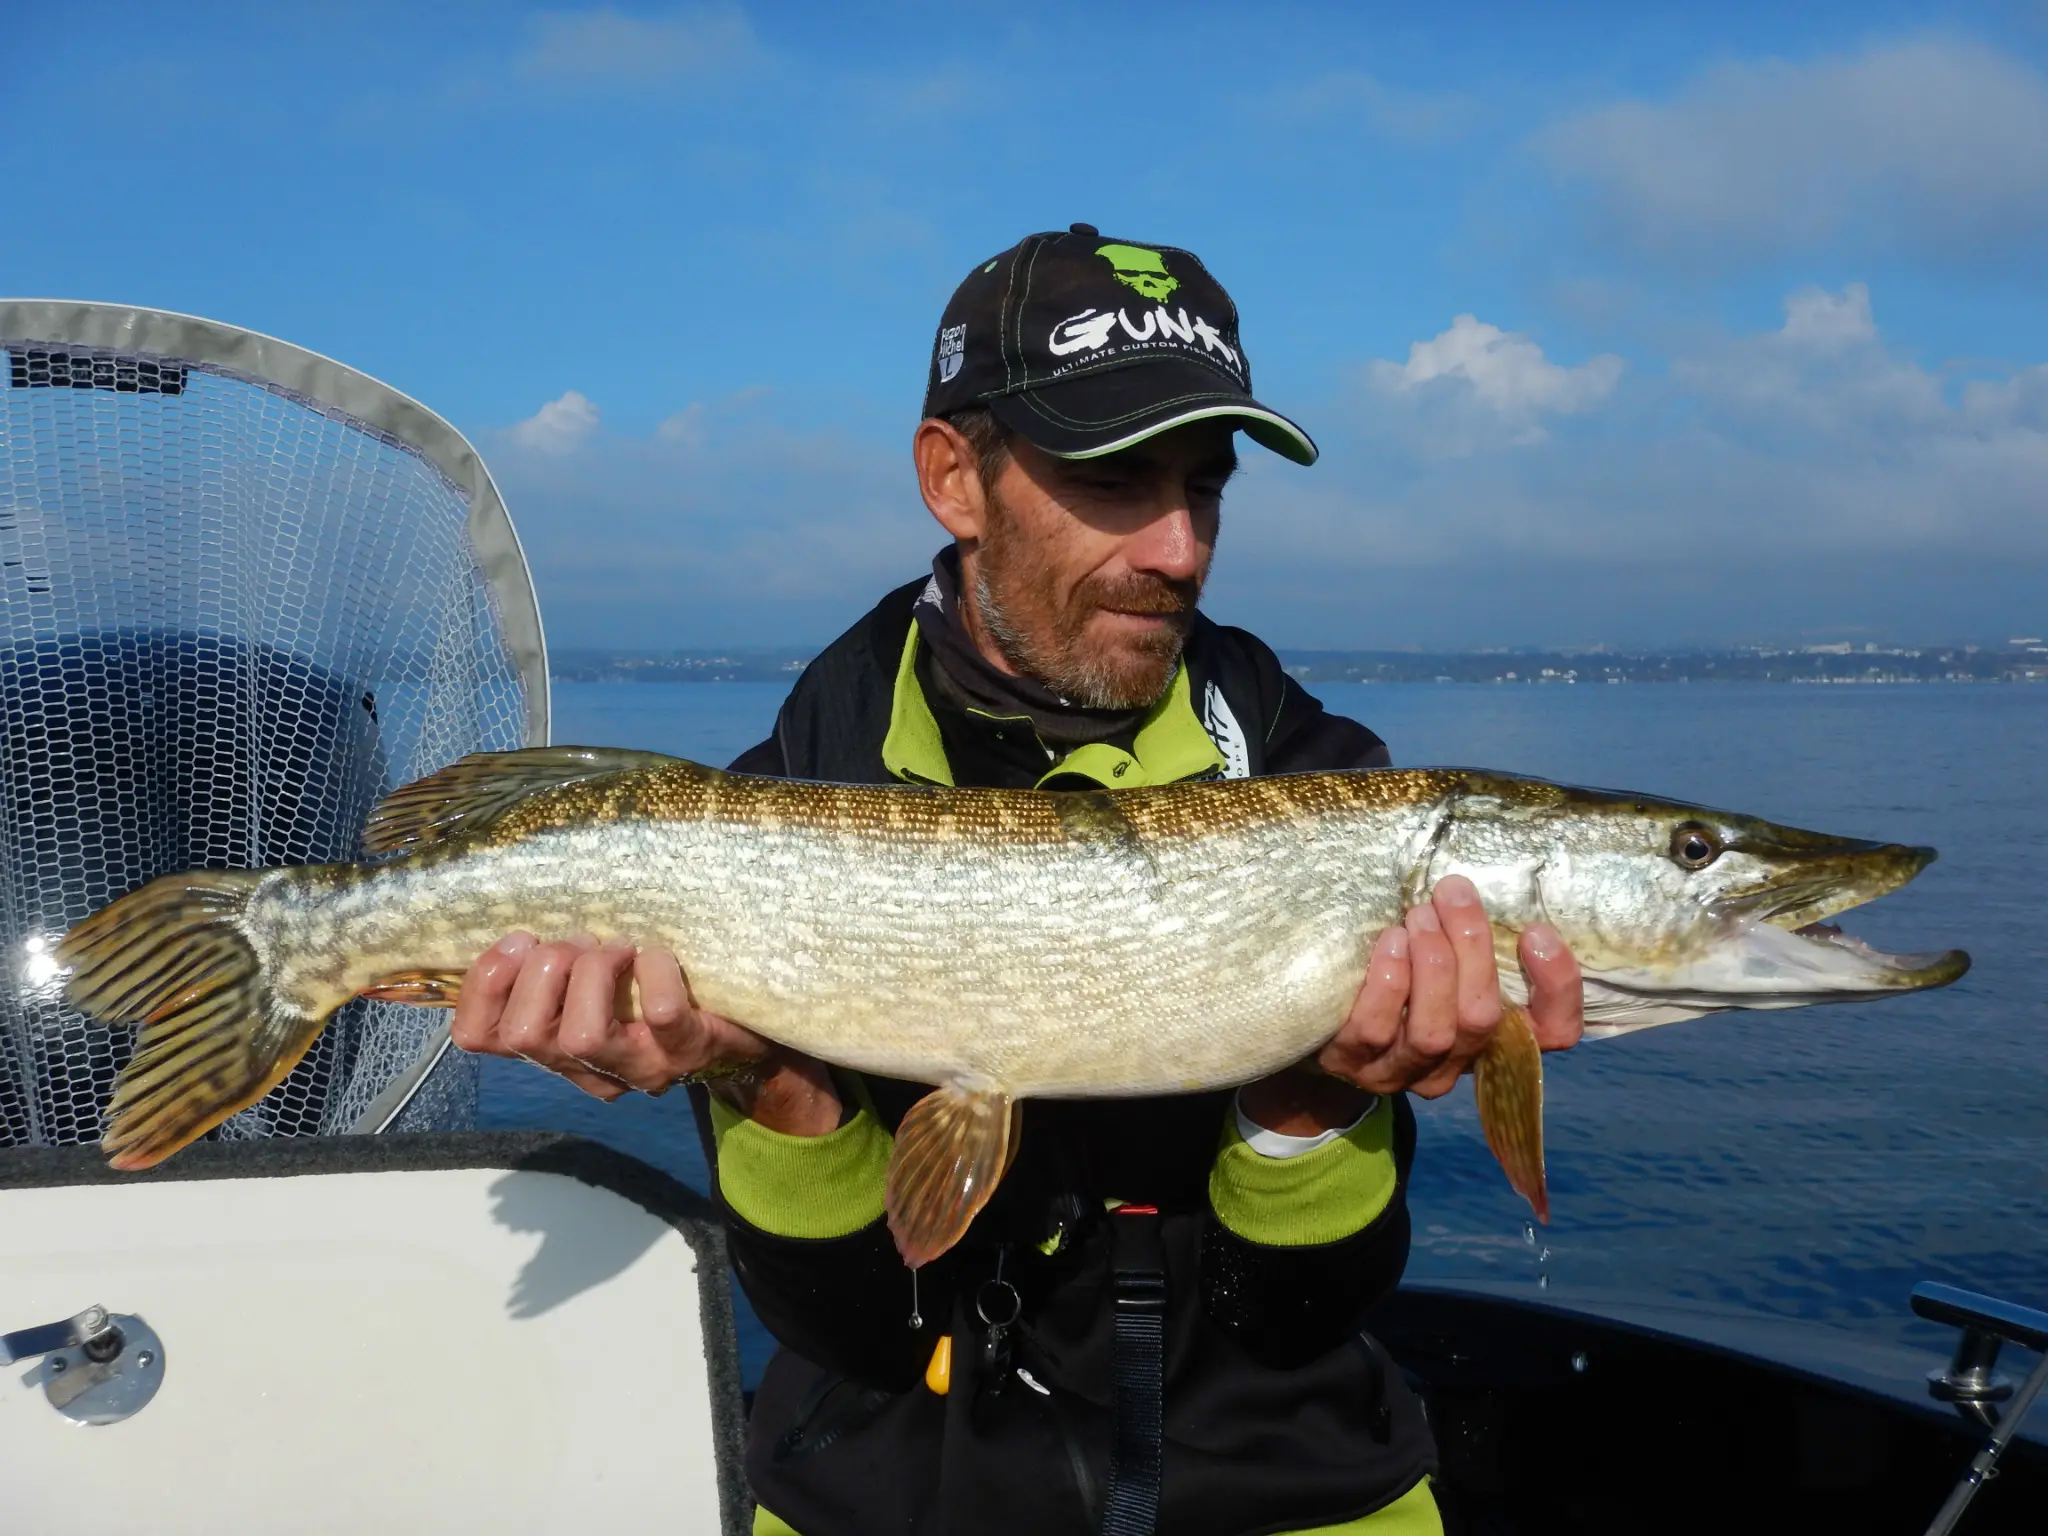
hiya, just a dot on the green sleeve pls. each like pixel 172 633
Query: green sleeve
pixel 802 1186
pixel 1319 1197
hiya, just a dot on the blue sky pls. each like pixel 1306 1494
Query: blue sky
pixel 1753 323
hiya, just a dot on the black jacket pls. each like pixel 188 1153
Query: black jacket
pixel 1281 1413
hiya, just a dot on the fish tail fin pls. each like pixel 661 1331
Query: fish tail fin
pixel 176 958
pixel 1508 1083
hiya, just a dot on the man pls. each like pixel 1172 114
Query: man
pixel 1078 434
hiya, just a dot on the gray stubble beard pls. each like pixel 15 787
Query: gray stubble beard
pixel 1076 678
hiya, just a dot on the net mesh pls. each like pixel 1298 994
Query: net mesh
pixel 230 619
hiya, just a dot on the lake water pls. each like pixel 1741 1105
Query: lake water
pixel 1813 1164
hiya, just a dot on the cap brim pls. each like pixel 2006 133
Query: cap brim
pixel 1093 415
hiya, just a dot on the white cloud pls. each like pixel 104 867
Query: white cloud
pixel 1825 380
pixel 685 428
pixel 1852 444
pixel 1404 116
pixel 559 427
pixel 1502 371
pixel 1829 319
pixel 699 423
pixel 609 47
pixel 1814 443
pixel 1933 143
pixel 1807 473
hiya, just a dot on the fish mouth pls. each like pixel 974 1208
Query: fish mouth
pixel 1760 965
pixel 1889 972
pixel 1818 878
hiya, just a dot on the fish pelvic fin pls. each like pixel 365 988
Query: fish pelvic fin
pixel 474 791
pixel 952 1149
pixel 423 989
pixel 215 1037
pixel 1508 1083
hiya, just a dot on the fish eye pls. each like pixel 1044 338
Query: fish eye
pixel 1695 846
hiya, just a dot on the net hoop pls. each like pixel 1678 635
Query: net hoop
pixel 322 381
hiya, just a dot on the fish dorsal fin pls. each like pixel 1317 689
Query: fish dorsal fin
pixel 474 791
pixel 952 1149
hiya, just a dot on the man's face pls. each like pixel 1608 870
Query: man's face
pixel 1088 571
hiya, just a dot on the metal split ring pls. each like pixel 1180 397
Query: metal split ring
pixel 1008 1304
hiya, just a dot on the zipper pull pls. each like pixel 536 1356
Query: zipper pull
pixel 999 1307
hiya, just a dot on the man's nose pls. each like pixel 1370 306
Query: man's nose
pixel 1168 545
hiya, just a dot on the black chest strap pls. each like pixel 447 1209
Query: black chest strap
pixel 1137 1372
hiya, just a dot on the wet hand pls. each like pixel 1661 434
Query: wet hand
pixel 1431 1000
pixel 1430 1004
pixel 569 1007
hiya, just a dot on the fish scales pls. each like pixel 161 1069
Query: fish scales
pixel 1078 945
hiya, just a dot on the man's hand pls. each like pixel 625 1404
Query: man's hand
pixel 1430 1003
pixel 564 1007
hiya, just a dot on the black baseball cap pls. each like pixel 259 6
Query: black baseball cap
pixel 1083 345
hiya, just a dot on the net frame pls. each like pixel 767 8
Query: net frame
pixel 148 351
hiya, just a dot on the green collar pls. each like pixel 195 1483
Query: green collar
pixel 1171 744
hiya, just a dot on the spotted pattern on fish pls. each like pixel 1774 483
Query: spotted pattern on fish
pixel 1098 943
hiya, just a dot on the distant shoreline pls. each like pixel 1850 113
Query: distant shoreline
pixel 1830 665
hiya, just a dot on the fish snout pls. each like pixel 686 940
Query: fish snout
pixel 1792 879
pixel 1916 858
pixel 1952 966
pixel 1879 972
pixel 1884 868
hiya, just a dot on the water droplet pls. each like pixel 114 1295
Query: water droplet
pixel 1529 1233
pixel 1543 1282
pixel 1543 1257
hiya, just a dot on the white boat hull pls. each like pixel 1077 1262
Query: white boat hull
pixel 401 1347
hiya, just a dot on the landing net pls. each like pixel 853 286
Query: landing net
pixel 244 591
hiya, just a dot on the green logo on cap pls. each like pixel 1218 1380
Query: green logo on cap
pixel 1141 269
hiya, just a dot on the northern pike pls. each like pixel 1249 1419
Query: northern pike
pixel 1000 944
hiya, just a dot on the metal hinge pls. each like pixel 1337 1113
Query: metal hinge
pixel 98 1367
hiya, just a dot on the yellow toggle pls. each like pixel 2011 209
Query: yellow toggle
pixel 939 1374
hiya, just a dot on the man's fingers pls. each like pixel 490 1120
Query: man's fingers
pixel 556 1005
pixel 1456 900
pixel 1432 1026
pixel 533 1013
pixel 1557 992
pixel 590 1030
pixel 664 999
pixel 687 1038
pixel 1374 1023
pixel 596 1039
pixel 1477 1000
pixel 485 988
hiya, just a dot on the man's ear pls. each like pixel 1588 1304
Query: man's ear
pixel 949 478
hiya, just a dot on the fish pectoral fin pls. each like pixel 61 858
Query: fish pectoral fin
pixel 951 1151
pixel 1508 1083
pixel 474 791
pixel 426 989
